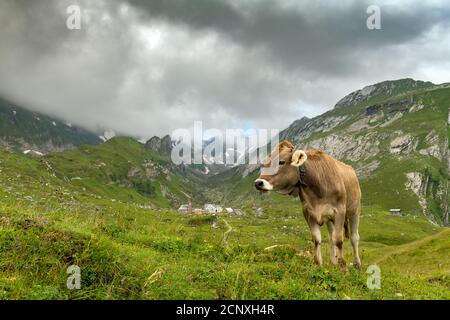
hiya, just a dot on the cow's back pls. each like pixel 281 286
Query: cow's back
pixel 332 179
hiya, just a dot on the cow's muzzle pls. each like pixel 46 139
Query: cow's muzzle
pixel 263 185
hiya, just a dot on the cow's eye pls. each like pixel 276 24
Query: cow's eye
pixel 282 162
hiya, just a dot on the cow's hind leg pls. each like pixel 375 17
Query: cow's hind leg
pixel 333 256
pixel 354 238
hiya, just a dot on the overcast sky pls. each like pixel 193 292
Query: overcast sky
pixel 145 68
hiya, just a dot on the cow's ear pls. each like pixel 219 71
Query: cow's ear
pixel 298 158
pixel 285 144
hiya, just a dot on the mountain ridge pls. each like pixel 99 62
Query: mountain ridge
pixel 23 130
pixel 384 88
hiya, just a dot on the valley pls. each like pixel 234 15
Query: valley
pixel 110 208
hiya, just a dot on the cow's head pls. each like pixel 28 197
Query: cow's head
pixel 284 179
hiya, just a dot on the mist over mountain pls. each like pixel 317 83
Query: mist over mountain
pixel 25 130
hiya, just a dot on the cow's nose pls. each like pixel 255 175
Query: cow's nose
pixel 259 184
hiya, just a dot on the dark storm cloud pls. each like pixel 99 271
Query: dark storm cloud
pixel 70 74
pixel 148 67
pixel 317 35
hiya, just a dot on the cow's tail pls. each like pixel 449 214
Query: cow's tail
pixel 346 228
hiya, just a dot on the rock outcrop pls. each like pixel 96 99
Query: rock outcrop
pixel 348 147
pixel 166 145
pixel 415 181
pixel 403 144
pixel 156 144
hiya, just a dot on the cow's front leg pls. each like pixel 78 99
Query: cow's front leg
pixel 338 238
pixel 317 239
pixel 333 256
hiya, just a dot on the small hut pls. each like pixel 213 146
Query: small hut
pixel 395 212
pixel 184 208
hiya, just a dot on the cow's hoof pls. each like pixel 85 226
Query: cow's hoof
pixel 342 264
pixel 357 266
pixel 318 261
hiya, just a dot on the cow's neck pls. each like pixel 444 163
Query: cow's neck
pixel 301 177
pixel 301 183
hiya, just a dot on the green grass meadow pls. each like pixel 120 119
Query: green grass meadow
pixel 125 252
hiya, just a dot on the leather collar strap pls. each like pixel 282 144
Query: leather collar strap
pixel 301 176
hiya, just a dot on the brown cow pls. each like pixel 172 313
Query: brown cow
pixel 328 189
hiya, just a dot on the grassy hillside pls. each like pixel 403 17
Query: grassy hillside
pixel 124 169
pixel 119 170
pixel 128 252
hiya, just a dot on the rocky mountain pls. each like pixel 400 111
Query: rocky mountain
pixel 396 135
pixel 34 133
pixel 162 145
pixel 209 166
pixel 383 90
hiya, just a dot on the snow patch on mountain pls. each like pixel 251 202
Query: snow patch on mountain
pixel 33 153
pixel 107 135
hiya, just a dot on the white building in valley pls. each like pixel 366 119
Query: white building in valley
pixel 212 208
